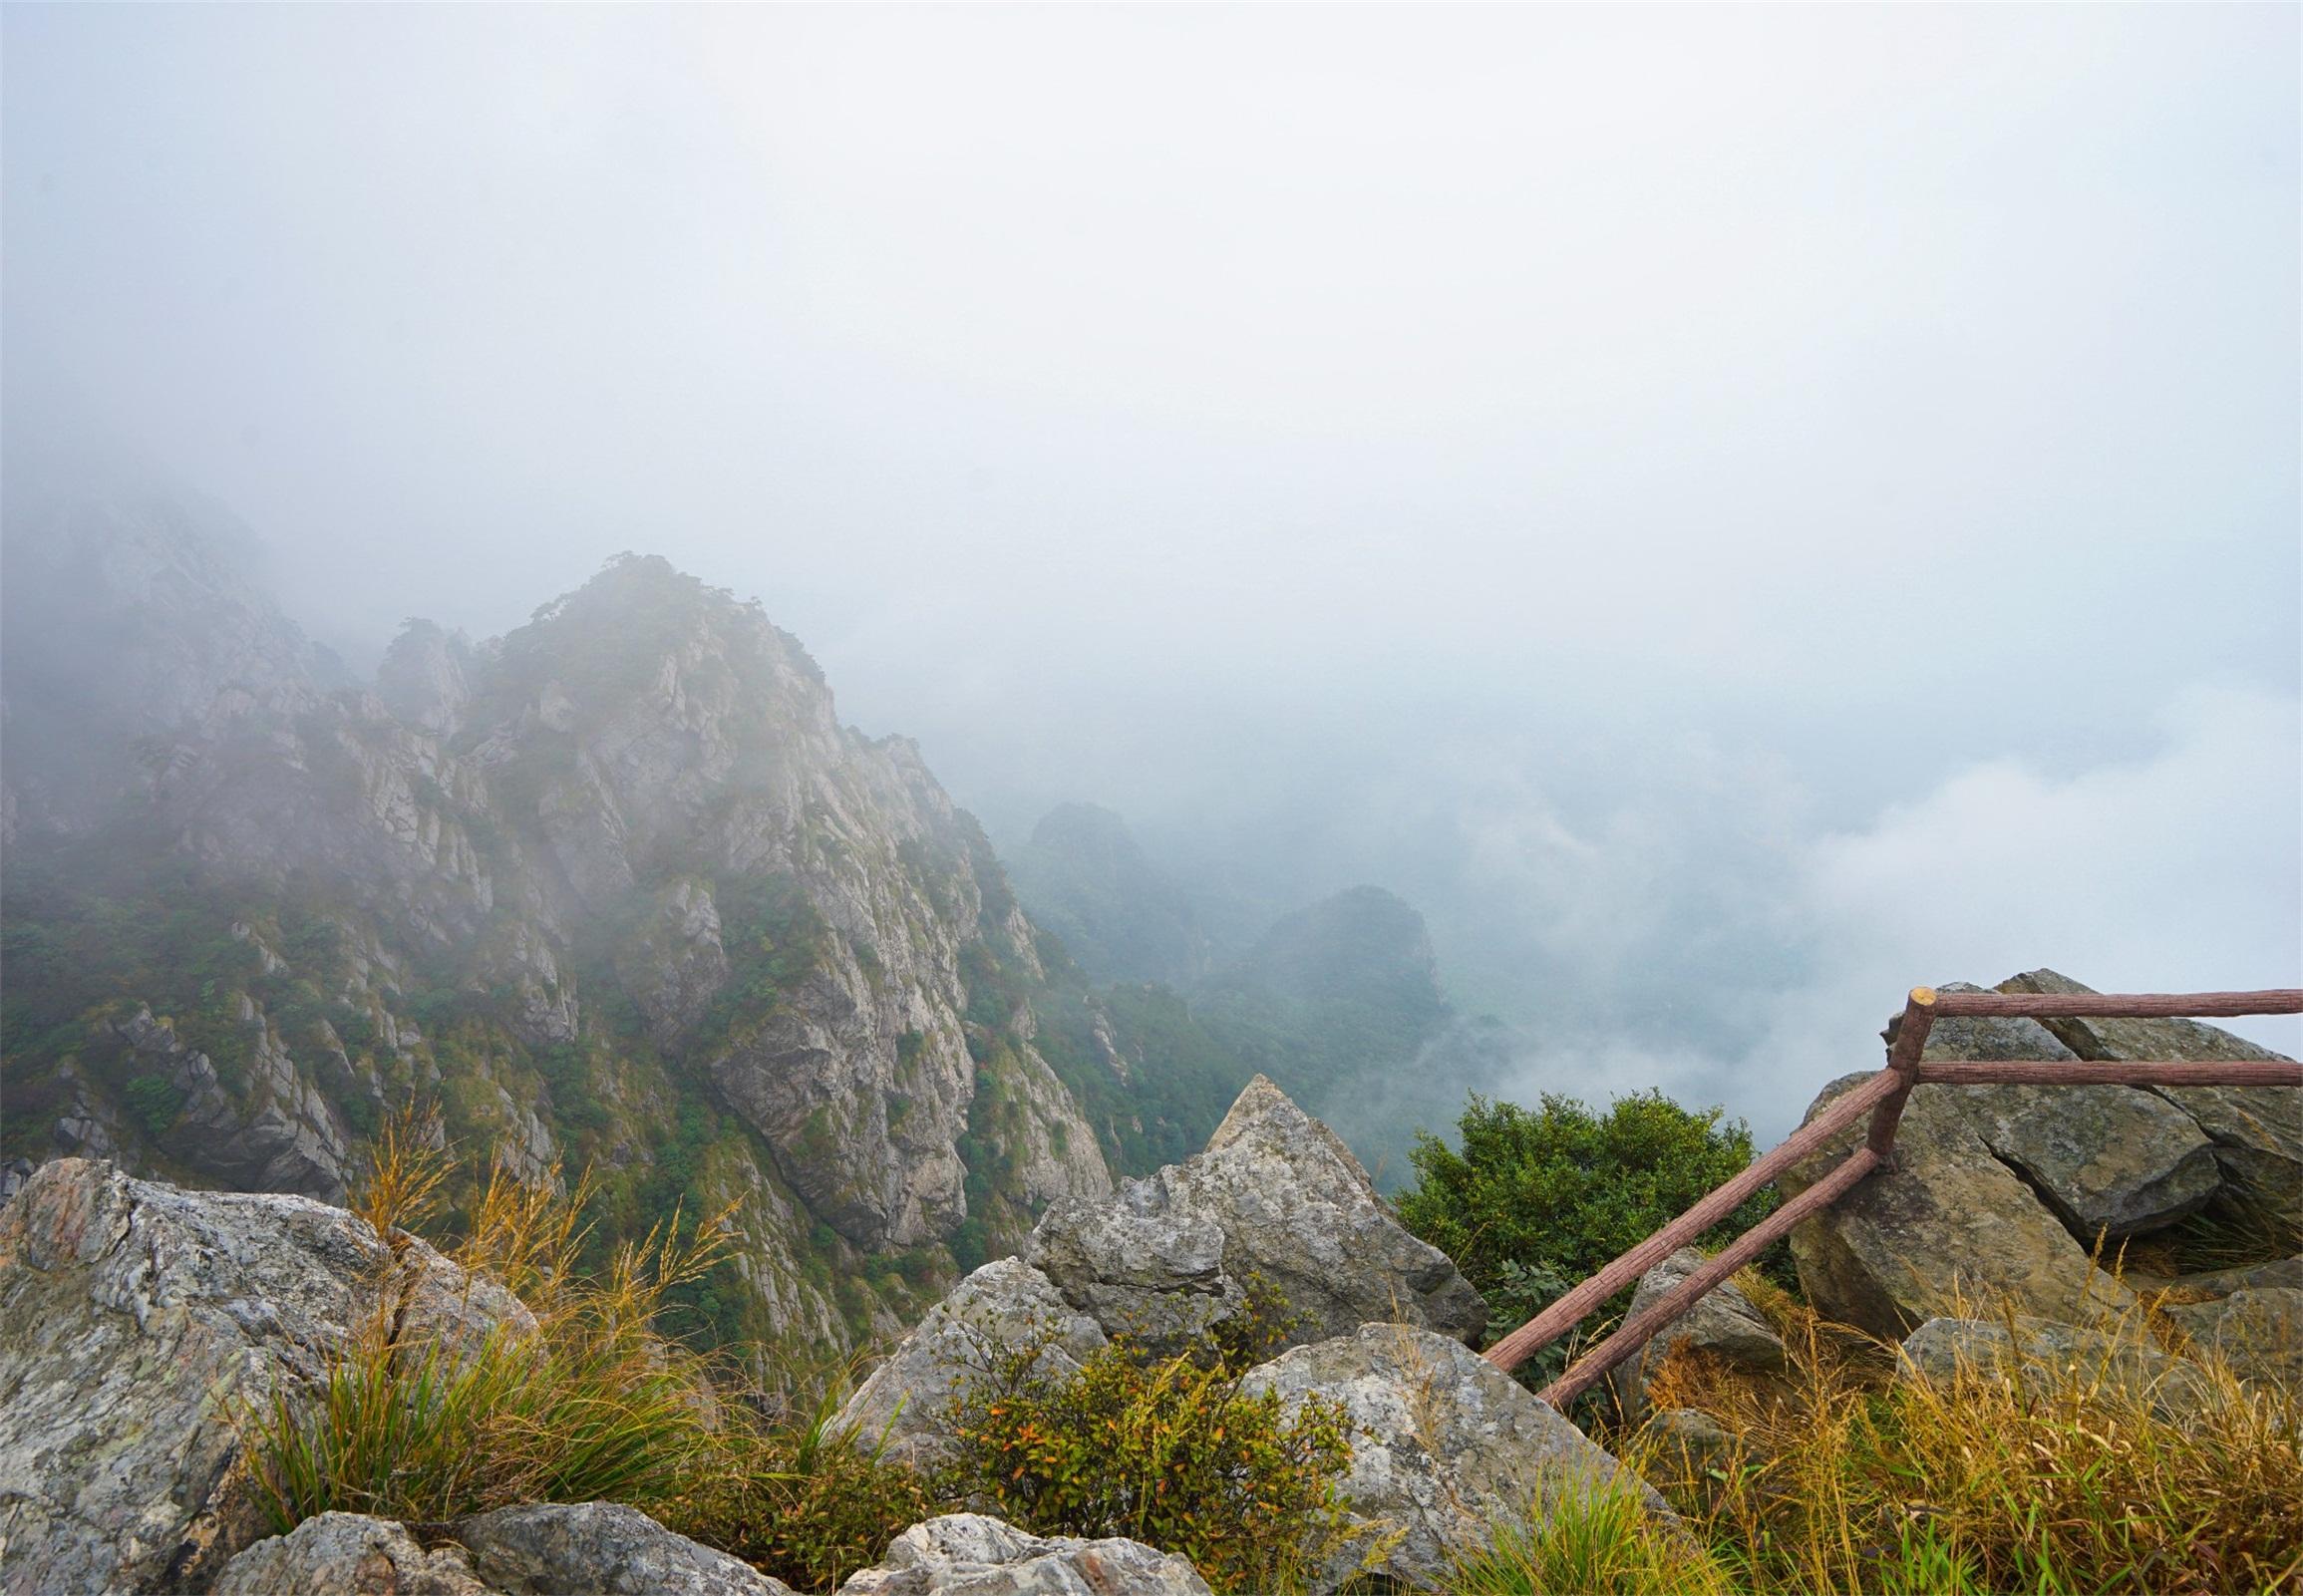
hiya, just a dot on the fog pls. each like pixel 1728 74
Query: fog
pixel 1730 511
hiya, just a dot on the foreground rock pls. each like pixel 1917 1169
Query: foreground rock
pixel 600 1549
pixel 1001 1307
pixel 981 1556
pixel 348 1554
pixel 2258 1331
pixel 2257 1132
pixel 1721 1325
pixel 1999 1194
pixel 136 1319
pixel 1445 1447
pixel 1276 1199
pixel 2044 1352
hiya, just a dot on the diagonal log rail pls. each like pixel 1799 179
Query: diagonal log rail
pixel 1883 1097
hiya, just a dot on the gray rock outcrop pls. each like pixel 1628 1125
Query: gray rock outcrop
pixel 1002 1306
pixel 1445 1447
pixel 2257 1330
pixel 600 1549
pixel 1722 1324
pixel 970 1554
pixel 348 1554
pixel 1275 1198
pixel 2257 1132
pixel 2045 1351
pixel 135 1321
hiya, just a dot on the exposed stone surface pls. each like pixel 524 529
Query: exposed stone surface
pixel 2257 1130
pixel 1275 1197
pixel 1984 1177
pixel 1723 1323
pixel 1947 1226
pixel 348 1554
pixel 275 1134
pixel 641 809
pixel 1001 1307
pixel 969 1554
pixel 2258 1330
pixel 2047 1349
pixel 1444 1447
pixel 600 1549
pixel 135 1318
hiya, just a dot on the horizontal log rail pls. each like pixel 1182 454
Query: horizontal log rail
pixel 2118 1005
pixel 2104 1072
pixel 1883 1097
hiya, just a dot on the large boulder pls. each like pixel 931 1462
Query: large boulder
pixel 137 1321
pixel 1723 1325
pixel 348 1554
pixel 1445 1447
pixel 2003 1193
pixel 1002 1306
pixel 2045 1353
pixel 600 1549
pixel 1947 1226
pixel 969 1554
pixel 2257 1132
pixel 1275 1198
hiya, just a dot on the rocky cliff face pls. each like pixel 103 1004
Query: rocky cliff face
pixel 616 888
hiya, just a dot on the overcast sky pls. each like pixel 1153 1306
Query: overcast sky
pixel 1732 510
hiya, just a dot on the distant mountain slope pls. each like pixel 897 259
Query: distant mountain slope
pixel 1085 879
pixel 1339 1002
pixel 616 891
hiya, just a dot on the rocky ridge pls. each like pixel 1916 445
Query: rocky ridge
pixel 614 890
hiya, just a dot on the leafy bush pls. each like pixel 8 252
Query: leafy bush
pixel 1167 1452
pixel 808 1504
pixel 1539 1199
pixel 154 1102
pixel 1593 1544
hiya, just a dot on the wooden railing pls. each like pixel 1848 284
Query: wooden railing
pixel 1882 1096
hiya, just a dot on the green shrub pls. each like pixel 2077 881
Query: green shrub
pixel 1167 1452
pixel 1593 1544
pixel 808 1504
pixel 1539 1199
pixel 153 1101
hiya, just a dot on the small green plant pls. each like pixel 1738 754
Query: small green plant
pixel 1592 1542
pixel 154 1102
pixel 1170 1451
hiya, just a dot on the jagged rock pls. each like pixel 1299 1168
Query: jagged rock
pixel 2257 1132
pixel 2046 1350
pixel 1444 1447
pixel 348 1554
pixel 600 1549
pixel 677 963
pixel 272 1132
pixel 1002 1306
pixel 969 1554
pixel 1960 1216
pixel 136 1320
pixel 421 680
pixel 1948 1226
pixel 2107 1159
pixel 1723 1323
pixel 1274 1197
pixel 2258 1331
